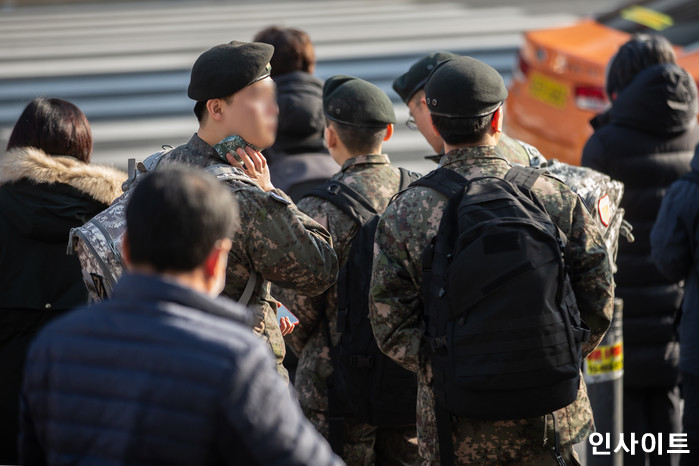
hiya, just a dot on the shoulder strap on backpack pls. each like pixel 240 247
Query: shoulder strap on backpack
pixel 346 199
pixel 443 180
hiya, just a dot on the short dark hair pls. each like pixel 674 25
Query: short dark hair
pixel 358 139
pixel 458 131
pixel 200 107
pixel 293 49
pixel 175 216
pixel 640 52
pixel 55 126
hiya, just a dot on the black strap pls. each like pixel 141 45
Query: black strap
pixel 444 427
pixel 346 199
pixel 443 180
pixel 336 419
pixel 555 452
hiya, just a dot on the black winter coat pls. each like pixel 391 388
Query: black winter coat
pixel 299 160
pixel 646 140
pixel 675 248
pixel 41 199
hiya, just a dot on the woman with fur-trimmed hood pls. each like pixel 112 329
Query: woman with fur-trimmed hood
pixel 47 187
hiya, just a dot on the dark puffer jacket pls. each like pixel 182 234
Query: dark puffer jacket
pixel 646 140
pixel 41 199
pixel 675 247
pixel 160 374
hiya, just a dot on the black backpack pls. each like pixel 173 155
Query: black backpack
pixel 502 325
pixel 366 385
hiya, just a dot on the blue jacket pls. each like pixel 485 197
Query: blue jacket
pixel 675 242
pixel 160 374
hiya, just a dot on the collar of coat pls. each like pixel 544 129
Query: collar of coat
pixel 98 181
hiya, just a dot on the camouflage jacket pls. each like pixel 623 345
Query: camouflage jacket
pixel 375 178
pixel 276 241
pixel 396 309
pixel 511 149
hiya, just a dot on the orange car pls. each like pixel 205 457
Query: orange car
pixel 558 81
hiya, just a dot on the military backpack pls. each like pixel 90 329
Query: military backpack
pixel 98 242
pixel 503 330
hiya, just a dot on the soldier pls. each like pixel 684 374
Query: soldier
pixel 236 96
pixel 359 118
pixel 410 86
pixel 464 97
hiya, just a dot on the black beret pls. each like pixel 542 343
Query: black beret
pixel 227 68
pixel 356 102
pixel 415 78
pixel 464 87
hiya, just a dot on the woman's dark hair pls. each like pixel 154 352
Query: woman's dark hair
pixel 293 49
pixel 55 126
pixel 639 53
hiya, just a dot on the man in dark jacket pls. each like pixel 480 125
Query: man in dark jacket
pixel 164 373
pixel 646 140
pixel 674 241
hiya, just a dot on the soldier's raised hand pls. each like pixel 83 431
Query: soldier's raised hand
pixel 254 165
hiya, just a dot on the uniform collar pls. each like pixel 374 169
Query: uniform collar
pixel 199 146
pixel 365 159
pixel 471 155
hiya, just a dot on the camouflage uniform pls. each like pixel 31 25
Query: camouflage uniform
pixel 511 149
pixel 378 181
pixel 276 240
pixel 396 312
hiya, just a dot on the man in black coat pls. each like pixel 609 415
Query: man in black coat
pixel 164 372
pixel 646 140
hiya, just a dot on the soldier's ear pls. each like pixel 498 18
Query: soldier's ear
pixel 126 251
pixel 434 128
pixel 496 124
pixel 214 108
pixel 331 138
pixel 389 133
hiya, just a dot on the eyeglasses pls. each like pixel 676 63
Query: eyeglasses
pixel 410 123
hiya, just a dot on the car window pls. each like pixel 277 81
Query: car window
pixel 677 20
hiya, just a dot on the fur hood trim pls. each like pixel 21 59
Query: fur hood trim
pixel 98 181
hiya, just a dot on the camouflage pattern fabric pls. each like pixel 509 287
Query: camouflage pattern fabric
pixel 276 241
pixel 367 445
pixel 378 181
pixel 512 150
pixel 396 311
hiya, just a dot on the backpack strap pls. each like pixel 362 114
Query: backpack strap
pixel 522 176
pixel 346 199
pixel 443 180
pixel 361 211
pixel 406 178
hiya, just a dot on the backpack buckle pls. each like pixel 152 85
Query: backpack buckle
pixel 438 344
pixel 361 361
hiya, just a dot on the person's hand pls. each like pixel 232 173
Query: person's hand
pixel 286 326
pixel 255 166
